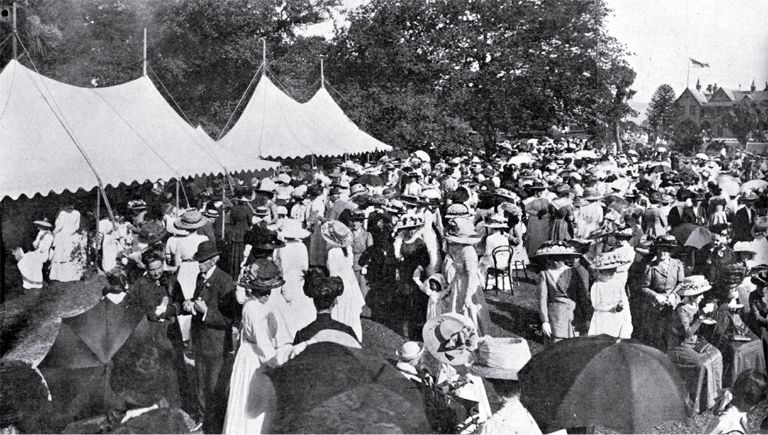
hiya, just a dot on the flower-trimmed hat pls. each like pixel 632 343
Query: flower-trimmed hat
pixel 457 210
pixel 43 223
pixel 336 234
pixel 462 232
pixel 693 285
pixel 665 242
pixel 496 221
pixel 192 219
pixel 263 274
pixel 609 260
pixel 291 229
pixel 555 249
pixel 409 221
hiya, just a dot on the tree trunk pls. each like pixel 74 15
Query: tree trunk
pixel 617 132
pixel 489 143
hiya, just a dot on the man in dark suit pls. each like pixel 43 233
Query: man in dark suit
pixel 213 308
pixel 745 219
pixel 683 212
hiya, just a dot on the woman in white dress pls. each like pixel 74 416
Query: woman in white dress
pixel 114 241
pixel 338 238
pixel 31 263
pixel 249 408
pixel 67 260
pixel 293 260
pixel 609 298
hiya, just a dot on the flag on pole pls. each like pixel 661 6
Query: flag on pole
pixel 699 64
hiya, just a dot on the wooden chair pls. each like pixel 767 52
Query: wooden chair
pixel 502 259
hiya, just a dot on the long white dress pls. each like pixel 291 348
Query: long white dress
pixel 247 406
pixel 351 302
pixel 605 295
pixel 113 242
pixel 67 260
pixel 293 260
pixel 31 264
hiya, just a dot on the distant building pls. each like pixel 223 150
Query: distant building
pixel 707 107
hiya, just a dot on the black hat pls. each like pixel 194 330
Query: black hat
pixel 205 251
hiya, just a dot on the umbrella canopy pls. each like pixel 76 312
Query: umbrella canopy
pixel 729 184
pixel 422 155
pixel 77 366
pixel 586 154
pixel 662 168
pixel 692 235
pixel 702 156
pixel 369 180
pixel 520 159
pixel 616 202
pixel 753 184
pixel 602 381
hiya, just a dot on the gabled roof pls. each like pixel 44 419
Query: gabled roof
pixel 698 96
pixel 755 96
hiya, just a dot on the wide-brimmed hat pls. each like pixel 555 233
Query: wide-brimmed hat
pixel 667 199
pixel 500 357
pixel 176 231
pixel 151 233
pixel 357 189
pixel 451 338
pixel 135 204
pixel 538 185
pixel 693 285
pixel 745 247
pixel 336 234
pixel 609 260
pixel 590 194
pixel 555 249
pixel 261 211
pixel 43 223
pixel 505 193
pixel 263 274
pixel 457 210
pixel 358 215
pixel 291 229
pixel 751 196
pixel 461 231
pixel 760 226
pixel 579 201
pixel 665 241
pixel 410 350
pixel 409 221
pixel 205 251
pixel 266 186
pixel 562 189
pixel 211 213
pixel 191 220
pixel 394 206
pixel 496 221
pixel 300 191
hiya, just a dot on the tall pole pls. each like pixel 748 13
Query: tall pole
pixel 264 56
pixel 145 52
pixel 322 72
pixel 688 78
pixel 15 35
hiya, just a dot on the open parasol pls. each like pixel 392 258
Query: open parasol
pixel 77 367
pixel 729 184
pixel 602 381
pixel 586 154
pixel 752 185
pixel 422 155
pixel 521 159
pixel 662 168
pixel 692 235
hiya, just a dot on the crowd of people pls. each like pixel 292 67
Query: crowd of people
pixel 669 251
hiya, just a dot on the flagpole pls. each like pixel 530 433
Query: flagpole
pixel 688 78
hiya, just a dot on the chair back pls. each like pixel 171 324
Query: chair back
pixel 502 257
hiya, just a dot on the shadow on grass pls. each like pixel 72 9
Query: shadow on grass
pixel 521 321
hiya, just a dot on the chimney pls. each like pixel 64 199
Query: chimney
pixel 739 87
pixel 753 87
pixel 714 88
pixel 698 85
pixel 709 87
pixel 766 87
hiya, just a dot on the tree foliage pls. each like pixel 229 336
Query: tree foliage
pixel 662 114
pixel 744 119
pixel 498 66
pixel 687 136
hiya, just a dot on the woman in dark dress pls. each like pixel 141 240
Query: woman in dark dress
pixel 241 216
pixel 413 260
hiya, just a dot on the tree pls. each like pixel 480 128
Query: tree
pixel 687 136
pixel 744 118
pixel 661 113
pixel 499 66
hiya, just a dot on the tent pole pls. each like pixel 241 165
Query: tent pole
pixel 177 196
pixel 15 34
pixel 264 55
pixel 145 52
pixel 322 73
pixel 98 219
pixel 223 208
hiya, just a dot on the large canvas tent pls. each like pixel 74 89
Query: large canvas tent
pixel 273 125
pixel 56 137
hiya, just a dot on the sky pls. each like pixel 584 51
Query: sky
pixel 729 35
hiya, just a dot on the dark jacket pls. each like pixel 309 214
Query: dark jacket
pixel 212 336
pixel 676 218
pixel 323 321
pixel 742 225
